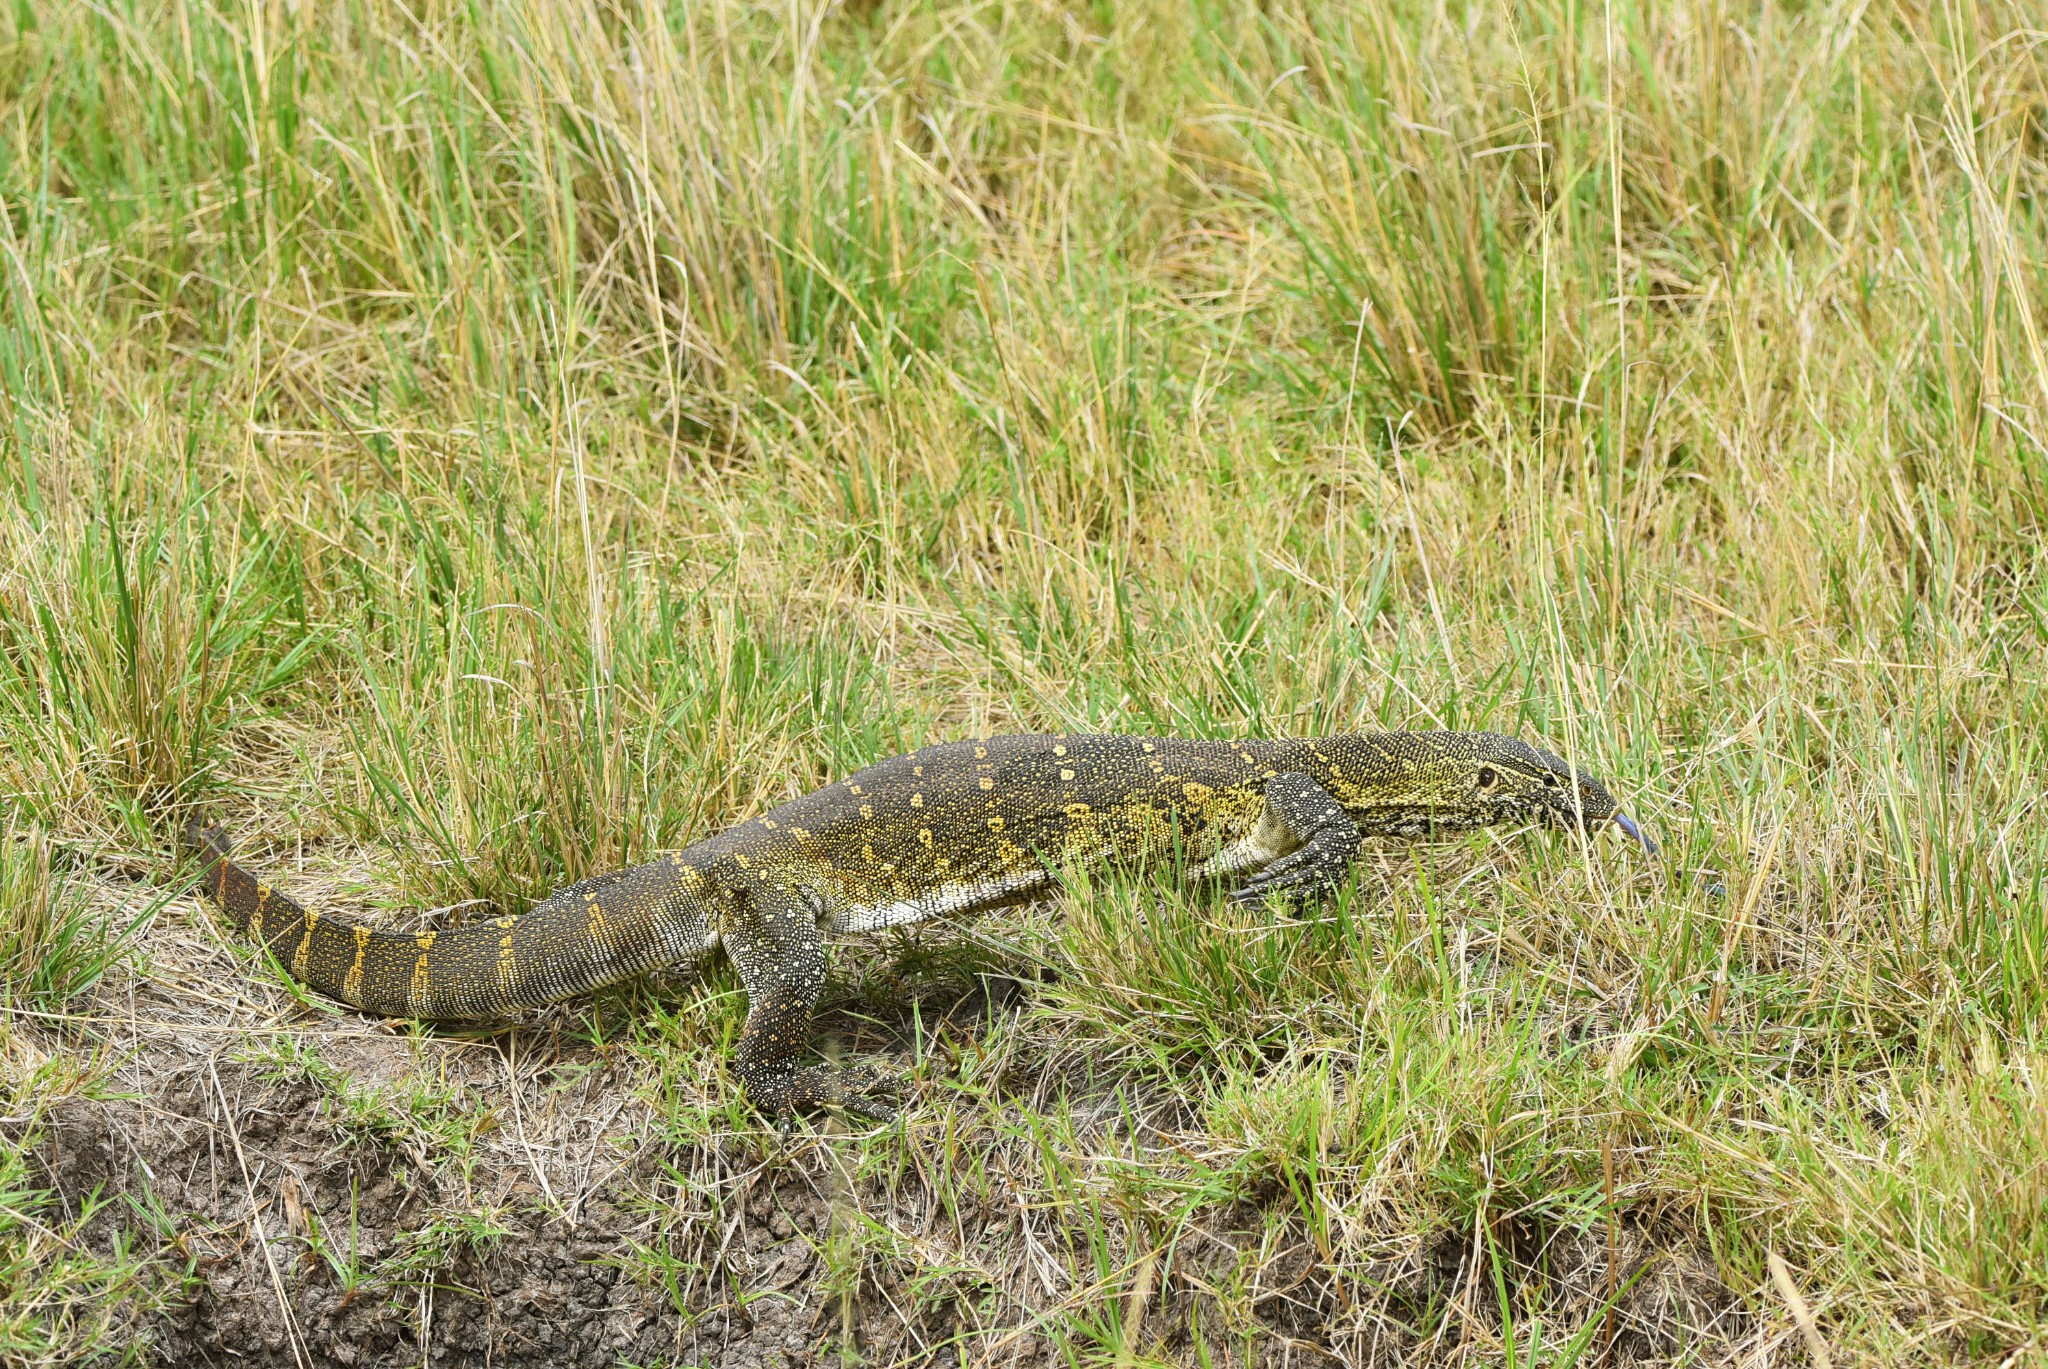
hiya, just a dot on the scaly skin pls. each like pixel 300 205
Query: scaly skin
pixel 956 828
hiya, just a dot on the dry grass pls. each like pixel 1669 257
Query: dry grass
pixel 468 446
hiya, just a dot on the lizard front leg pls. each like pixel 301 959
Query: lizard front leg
pixel 772 938
pixel 1312 839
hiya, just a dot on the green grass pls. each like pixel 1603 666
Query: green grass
pixel 55 945
pixel 499 441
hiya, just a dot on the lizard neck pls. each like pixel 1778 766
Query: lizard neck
pixel 1390 783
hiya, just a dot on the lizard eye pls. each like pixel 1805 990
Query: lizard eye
pixel 1550 779
pixel 1486 777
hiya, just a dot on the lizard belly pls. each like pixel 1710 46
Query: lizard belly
pixel 1239 857
pixel 1267 841
pixel 964 896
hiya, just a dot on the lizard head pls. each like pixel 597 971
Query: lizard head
pixel 1512 781
pixel 1462 780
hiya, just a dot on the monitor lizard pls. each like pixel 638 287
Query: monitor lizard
pixel 952 829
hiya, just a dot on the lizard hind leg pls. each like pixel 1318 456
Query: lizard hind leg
pixel 1327 840
pixel 676 979
pixel 773 941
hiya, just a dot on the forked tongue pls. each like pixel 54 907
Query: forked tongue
pixel 1627 824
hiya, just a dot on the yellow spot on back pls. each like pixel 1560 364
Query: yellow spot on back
pixel 981 753
pixel 420 979
pixel 987 783
pixel 1078 810
pixel 853 789
pixel 1149 748
pixel 425 941
pixel 1059 751
pixel 917 800
pixel 1065 773
pixel 924 834
pixel 768 823
pixel 995 824
pixel 867 810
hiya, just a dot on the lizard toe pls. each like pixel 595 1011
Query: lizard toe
pixel 1304 874
pixel 858 1089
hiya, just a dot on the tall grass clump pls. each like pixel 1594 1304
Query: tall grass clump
pixel 54 944
pixel 125 647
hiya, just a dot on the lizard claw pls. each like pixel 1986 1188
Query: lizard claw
pixel 858 1089
pixel 1303 874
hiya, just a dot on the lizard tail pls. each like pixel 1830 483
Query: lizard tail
pixel 564 946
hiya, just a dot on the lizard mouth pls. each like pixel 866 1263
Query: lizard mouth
pixel 1628 825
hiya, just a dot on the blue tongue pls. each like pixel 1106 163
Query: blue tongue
pixel 1623 821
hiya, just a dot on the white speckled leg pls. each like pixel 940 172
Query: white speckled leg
pixel 1322 844
pixel 774 942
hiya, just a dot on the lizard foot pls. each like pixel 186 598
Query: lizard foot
pixel 857 1089
pixel 1301 813
pixel 1307 873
